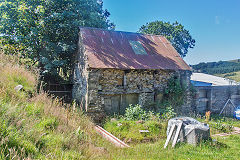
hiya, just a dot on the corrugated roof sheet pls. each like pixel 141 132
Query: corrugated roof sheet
pixel 214 80
pixel 111 49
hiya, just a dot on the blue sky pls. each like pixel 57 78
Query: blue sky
pixel 214 24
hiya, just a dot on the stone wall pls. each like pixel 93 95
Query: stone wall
pixel 214 98
pixel 80 76
pixel 109 91
pixel 141 83
pixel 187 108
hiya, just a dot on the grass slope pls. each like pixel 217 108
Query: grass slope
pixel 35 126
pixel 232 75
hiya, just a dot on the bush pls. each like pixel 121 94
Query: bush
pixel 174 92
pixel 168 113
pixel 135 113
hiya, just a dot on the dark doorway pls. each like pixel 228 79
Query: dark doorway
pixel 117 104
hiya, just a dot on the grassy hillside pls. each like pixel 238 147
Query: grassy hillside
pixel 220 67
pixel 226 69
pixel 232 75
pixel 36 127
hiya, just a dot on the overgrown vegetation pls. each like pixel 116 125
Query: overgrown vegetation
pixel 135 131
pixel 136 119
pixel 220 124
pixel 174 93
pixel 147 137
pixel 172 97
pixel 135 113
pixel 34 126
pixel 138 125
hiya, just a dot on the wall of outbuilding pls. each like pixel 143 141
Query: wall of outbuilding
pixel 214 98
pixel 80 76
pixel 108 91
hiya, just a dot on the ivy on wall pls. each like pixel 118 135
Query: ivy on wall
pixel 172 96
pixel 174 93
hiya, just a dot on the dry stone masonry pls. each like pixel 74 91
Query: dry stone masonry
pixel 109 91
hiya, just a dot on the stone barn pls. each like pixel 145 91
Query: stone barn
pixel 114 69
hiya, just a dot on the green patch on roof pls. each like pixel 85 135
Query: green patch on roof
pixel 137 47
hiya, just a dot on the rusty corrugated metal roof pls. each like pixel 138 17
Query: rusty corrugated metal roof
pixel 111 49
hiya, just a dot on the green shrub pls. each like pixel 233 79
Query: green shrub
pixel 221 126
pixel 135 113
pixel 168 113
pixel 174 93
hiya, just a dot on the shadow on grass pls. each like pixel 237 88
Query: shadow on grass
pixel 216 145
pixel 211 144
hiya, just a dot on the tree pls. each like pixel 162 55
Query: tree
pixel 179 37
pixel 47 31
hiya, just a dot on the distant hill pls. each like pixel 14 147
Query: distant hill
pixel 220 67
pixel 232 75
pixel 227 69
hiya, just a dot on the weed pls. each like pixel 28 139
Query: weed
pixel 168 113
pixel 135 113
pixel 207 115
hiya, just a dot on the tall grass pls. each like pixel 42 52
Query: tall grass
pixel 36 126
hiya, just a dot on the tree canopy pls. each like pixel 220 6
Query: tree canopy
pixel 46 31
pixel 179 37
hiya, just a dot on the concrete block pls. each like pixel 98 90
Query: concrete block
pixel 192 131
